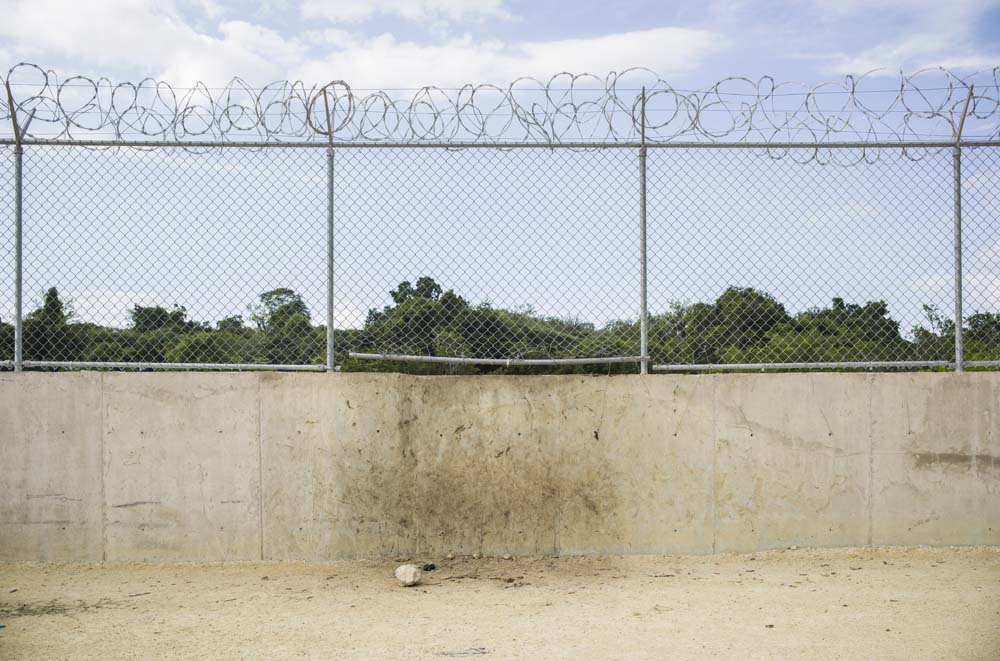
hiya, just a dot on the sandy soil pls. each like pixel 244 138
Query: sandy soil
pixel 848 603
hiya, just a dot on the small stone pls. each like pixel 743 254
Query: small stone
pixel 508 556
pixel 408 575
pixel 793 548
pixel 430 566
pixel 476 556
pixel 450 556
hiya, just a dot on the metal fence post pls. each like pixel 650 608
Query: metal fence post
pixel 330 344
pixel 18 303
pixel 643 312
pixel 18 233
pixel 956 156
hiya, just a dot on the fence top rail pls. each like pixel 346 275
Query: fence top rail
pixel 619 107
pixel 200 144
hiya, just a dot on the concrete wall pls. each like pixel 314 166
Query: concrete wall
pixel 222 466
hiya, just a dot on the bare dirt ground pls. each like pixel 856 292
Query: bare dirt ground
pixel 846 603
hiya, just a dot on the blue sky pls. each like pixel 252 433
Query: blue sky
pixel 385 43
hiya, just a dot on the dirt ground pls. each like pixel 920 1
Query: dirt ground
pixel 847 603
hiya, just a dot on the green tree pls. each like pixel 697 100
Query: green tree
pixel 983 328
pixel 426 288
pixel 6 341
pixel 232 324
pixel 275 307
pixel 288 335
pixel 206 347
pixel 48 333
pixel 154 318
pixel 936 342
pixel 743 325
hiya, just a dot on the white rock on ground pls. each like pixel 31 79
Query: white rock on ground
pixel 408 575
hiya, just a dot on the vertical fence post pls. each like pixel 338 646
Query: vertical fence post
pixel 18 231
pixel 956 159
pixel 643 311
pixel 18 260
pixel 330 345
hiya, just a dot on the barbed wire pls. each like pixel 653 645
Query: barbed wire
pixel 582 108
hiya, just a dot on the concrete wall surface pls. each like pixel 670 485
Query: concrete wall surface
pixel 230 466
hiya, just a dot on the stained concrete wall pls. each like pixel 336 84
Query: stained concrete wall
pixel 221 466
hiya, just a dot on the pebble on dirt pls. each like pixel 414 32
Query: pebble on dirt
pixel 408 575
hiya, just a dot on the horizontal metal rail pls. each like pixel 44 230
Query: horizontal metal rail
pixel 507 362
pixel 800 366
pixel 245 367
pixel 258 367
pixel 194 144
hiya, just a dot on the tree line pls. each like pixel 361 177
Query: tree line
pixel 743 325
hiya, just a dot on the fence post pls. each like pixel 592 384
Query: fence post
pixel 18 233
pixel 643 311
pixel 330 345
pixel 956 156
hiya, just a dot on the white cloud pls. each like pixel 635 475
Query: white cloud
pixel 169 47
pixel 102 35
pixel 914 52
pixel 929 33
pixel 385 61
pixel 667 50
pixel 353 11
pixel 209 8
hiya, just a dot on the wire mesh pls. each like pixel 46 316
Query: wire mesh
pixel 7 263
pixel 168 256
pixel 760 257
pixel 487 254
pixel 175 257
pixel 981 253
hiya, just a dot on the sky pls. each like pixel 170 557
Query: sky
pixel 551 231
pixel 411 43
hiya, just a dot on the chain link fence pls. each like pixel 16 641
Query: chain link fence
pixel 980 255
pixel 611 255
pixel 759 258
pixel 524 254
pixel 166 256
